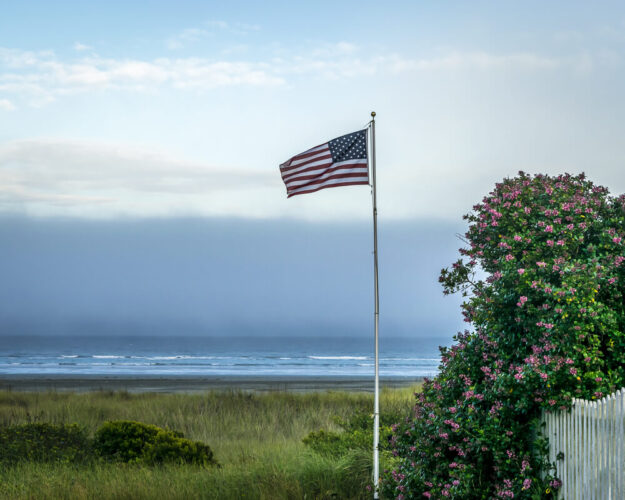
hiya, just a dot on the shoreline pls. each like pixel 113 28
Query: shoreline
pixel 197 384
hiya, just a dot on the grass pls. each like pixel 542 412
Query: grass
pixel 257 438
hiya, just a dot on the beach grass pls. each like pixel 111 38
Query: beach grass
pixel 256 438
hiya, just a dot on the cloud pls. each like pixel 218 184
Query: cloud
pixel 92 179
pixel 81 47
pixel 41 77
pixel 234 28
pixel 190 36
pixel 476 60
pixel 186 37
pixel 6 105
pixel 334 49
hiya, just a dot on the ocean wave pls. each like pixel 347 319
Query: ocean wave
pixel 185 356
pixel 411 359
pixel 338 357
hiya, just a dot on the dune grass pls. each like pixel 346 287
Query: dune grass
pixel 257 439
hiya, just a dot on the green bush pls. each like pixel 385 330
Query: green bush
pixel 356 434
pixel 128 441
pixel 43 443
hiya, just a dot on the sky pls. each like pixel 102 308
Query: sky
pixel 125 119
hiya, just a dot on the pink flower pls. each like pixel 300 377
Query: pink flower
pixel 550 243
pixel 509 257
pixel 616 239
pixel 549 229
pixel 541 264
pixel 527 483
pixel 517 237
pixel 520 270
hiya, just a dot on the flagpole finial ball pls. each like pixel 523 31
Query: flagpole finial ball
pixel 373 114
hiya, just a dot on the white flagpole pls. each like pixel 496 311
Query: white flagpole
pixel 376 398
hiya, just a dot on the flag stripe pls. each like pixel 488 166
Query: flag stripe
pixel 285 167
pixel 326 160
pixel 318 154
pixel 287 177
pixel 345 175
pixel 306 170
pixel 319 188
pixel 320 175
pixel 306 154
pixel 330 180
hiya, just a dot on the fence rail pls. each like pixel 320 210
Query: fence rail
pixel 588 446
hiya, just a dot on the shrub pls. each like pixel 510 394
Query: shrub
pixel 129 441
pixel 357 434
pixel 544 279
pixel 42 442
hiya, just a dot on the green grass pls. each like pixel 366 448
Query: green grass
pixel 257 438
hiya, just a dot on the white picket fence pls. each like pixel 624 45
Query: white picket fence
pixel 591 439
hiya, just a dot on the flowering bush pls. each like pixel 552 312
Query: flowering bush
pixel 544 278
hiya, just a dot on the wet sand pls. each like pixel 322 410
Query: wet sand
pixel 186 384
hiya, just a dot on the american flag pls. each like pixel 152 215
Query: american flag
pixel 339 162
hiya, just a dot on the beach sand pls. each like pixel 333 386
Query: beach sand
pixel 186 384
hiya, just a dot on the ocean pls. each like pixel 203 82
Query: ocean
pixel 210 356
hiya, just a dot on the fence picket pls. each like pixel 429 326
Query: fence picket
pixel 586 455
pixel 577 489
pixel 591 439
